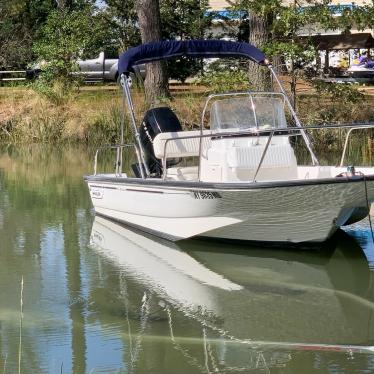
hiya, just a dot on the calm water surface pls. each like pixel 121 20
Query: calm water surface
pixel 100 298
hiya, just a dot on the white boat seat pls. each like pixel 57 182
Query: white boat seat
pixel 179 147
pixel 188 173
pixel 279 155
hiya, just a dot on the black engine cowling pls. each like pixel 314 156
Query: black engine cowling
pixel 156 121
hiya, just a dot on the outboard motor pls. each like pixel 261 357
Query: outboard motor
pixel 156 121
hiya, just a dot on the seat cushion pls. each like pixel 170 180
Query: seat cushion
pixel 249 157
pixel 177 147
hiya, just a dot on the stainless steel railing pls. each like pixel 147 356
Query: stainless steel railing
pixel 118 165
pixel 290 131
pixel 269 133
pixel 347 139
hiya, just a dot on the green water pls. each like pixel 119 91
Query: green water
pixel 100 298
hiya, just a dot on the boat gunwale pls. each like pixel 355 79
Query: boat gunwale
pixel 226 186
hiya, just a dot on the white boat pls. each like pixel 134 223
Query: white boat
pixel 361 71
pixel 244 300
pixel 246 182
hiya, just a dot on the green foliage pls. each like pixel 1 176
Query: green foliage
pixel 342 93
pixel 182 68
pixel 20 21
pixel 104 128
pixel 57 90
pixel 299 53
pixel 186 19
pixel 65 37
pixel 287 19
pixel 224 77
pixel 334 103
pixel 120 21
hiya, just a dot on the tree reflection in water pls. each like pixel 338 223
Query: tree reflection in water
pixel 136 304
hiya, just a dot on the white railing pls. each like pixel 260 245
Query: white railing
pixel 362 127
pixel 118 164
pixel 269 133
pixel 290 131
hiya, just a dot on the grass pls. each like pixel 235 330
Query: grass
pixel 93 115
pixel 90 117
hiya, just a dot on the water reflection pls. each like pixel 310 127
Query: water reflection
pixel 42 206
pixel 227 308
pixel 131 303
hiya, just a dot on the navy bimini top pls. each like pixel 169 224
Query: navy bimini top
pixel 192 48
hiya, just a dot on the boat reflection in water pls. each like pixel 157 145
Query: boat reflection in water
pixel 225 308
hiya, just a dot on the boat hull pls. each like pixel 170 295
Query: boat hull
pixel 265 212
pixel 361 72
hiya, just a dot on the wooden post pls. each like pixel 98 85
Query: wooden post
pixel 318 61
pixel 327 62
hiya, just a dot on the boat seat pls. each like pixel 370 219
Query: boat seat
pixel 178 147
pixel 232 160
pixel 188 173
pixel 277 155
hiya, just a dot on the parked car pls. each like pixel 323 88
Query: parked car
pixel 97 69
pixel 103 68
pixel 100 68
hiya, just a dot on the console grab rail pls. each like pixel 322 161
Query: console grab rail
pixel 256 132
pixel 347 139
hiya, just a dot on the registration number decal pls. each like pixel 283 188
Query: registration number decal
pixel 203 195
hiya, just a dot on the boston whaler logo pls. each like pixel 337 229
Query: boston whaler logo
pixel 203 195
pixel 97 193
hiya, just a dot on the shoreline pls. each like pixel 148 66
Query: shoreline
pixel 92 115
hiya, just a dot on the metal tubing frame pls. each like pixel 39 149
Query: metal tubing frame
pixel 347 139
pixel 221 135
pixel 119 150
pixel 289 130
pixel 243 93
pixel 263 155
pixel 294 115
pixel 116 146
pixel 140 151
pixel 253 109
pixel 139 148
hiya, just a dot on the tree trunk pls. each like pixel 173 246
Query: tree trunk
pixel 279 64
pixel 156 82
pixel 258 36
pixel 64 4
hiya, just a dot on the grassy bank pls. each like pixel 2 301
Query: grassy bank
pixel 90 116
pixel 93 115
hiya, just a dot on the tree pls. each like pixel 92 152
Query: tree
pixel 20 21
pixel 156 82
pixel 274 26
pixel 184 19
pixel 69 33
pixel 261 15
pixel 122 23
pixel 259 36
pixel 180 19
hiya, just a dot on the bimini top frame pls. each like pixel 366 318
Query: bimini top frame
pixel 164 50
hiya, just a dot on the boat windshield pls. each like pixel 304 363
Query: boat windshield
pixel 248 112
